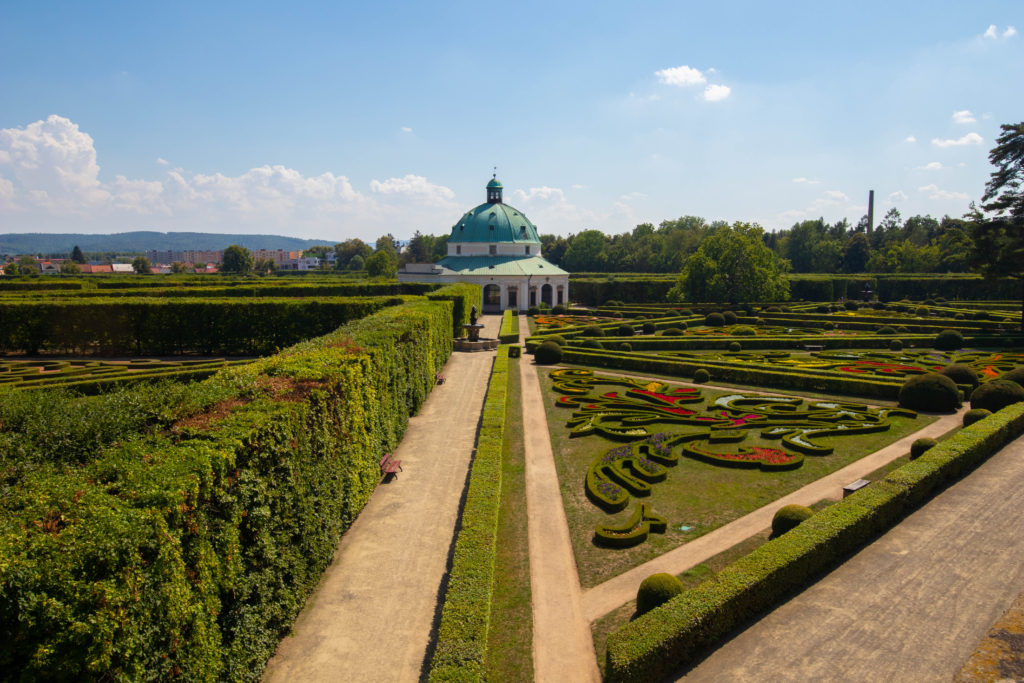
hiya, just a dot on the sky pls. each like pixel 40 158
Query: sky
pixel 337 119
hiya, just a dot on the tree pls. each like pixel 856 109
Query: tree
pixel 265 266
pixel 357 262
pixel 586 253
pixel 999 233
pixel 319 251
pixel 178 267
pixel 733 265
pixel 383 263
pixel 236 259
pixel 76 255
pixel 349 249
pixel 27 265
pixel 856 253
pixel 141 265
pixel 70 268
pixel 387 241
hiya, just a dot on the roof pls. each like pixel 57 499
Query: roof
pixel 494 183
pixel 500 265
pixel 492 223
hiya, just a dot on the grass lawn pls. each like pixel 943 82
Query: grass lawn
pixel 510 640
pixel 695 498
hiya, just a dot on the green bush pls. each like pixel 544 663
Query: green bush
pixel 625 346
pixel 932 392
pixel 729 317
pixel 851 305
pixel 949 340
pixel 625 330
pixel 592 331
pixel 829 325
pixel 508 333
pixel 885 329
pixel 958 316
pixel 649 328
pixel 961 374
pixel 919 446
pixel 701 376
pixel 788 517
pixel 1015 375
pixel 996 395
pixel 548 353
pixel 557 338
pixel 895 345
pixel 592 344
pixel 655 590
pixel 735 346
pixel 744 331
pixel 714 320
pixel 533 310
pixel 974 415
pixel 672 332
pixel 560 309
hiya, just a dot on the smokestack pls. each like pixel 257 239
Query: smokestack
pixel 871 211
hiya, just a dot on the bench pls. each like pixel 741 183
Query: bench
pixel 814 347
pixel 389 466
pixel 439 378
pixel 855 486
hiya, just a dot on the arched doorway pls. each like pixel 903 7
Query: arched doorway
pixel 492 299
pixel 513 297
pixel 545 294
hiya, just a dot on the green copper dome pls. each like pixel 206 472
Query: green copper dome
pixel 494 222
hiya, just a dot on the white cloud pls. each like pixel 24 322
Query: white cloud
pixel 834 203
pixel 935 193
pixel 807 181
pixel 910 138
pixel 836 195
pixel 933 166
pixel 964 116
pixel 990 32
pixel 1009 32
pixel 406 129
pixel 577 186
pixel 969 139
pixel 898 196
pixel 415 186
pixel 716 93
pixel 680 76
pixel 162 161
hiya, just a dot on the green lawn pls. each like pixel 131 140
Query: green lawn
pixel 696 495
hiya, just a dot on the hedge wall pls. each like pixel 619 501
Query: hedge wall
pixel 264 288
pixel 128 327
pixel 188 555
pixel 651 647
pixel 464 296
pixel 461 652
pixel 509 333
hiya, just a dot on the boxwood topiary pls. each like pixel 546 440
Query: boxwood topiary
pixel 975 414
pixel 933 392
pixel 557 338
pixel 547 353
pixel 949 340
pixel 788 517
pixel 672 332
pixel 714 320
pixel 560 309
pixel 1015 375
pixel 626 330
pixel 958 316
pixel 735 346
pixel 829 325
pixel 961 374
pixel 895 345
pixel 532 310
pixel 649 328
pixel 655 590
pixel 851 305
pixel 701 376
pixel 592 344
pixel 996 395
pixel 885 329
pixel 592 331
pixel 625 346
pixel 744 331
pixel 919 446
pixel 729 317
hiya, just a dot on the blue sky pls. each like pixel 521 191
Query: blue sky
pixel 337 120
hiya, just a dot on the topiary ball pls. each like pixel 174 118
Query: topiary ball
pixel 829 325
pixel 625 346
pixel 672 332
pixel 949 340
pixel 895 345
pixel 714 320
pixel 744 331
pixel 1015 375
pixel 547 353
pixel 958 316
pixel 729 317
pixel 560 309
pixel 788 517
pixel 961 374
pixel 655 590
pixel 592 331
pixel 557 338
pixel 932 392
pixel 851 305
pixel 735 346
pixel 532 310
pixel 613 302
pixel 701 376
pixel 592 344
pixel 919 446
pixel 885 329
pixel 626 330
pixel 975 414
pixel 996 395
pixel 649 328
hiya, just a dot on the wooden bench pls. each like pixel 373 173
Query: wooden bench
pixel 389 466
pixel 814 347
pixel 855 486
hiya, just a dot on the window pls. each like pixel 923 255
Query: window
pixel 458 248
pixel 493 249
pixel 527 249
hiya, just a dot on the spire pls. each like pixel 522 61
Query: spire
pixel 494 188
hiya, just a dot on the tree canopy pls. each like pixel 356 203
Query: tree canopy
pixel 236 259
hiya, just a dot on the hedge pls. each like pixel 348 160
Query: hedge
pixel 509 333
pixel 265 288
pixel 188 555
pixel 461 651
pixel 463 296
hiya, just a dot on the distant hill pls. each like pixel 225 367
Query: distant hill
pixel 43 243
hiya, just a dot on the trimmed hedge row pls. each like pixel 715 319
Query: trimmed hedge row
pixel 461 652
pixel 659 642
pixel 509 333
pixel 262 288
pixel 463 296
pixel 189 555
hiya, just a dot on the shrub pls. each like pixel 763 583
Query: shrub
pixel 961 374
pixel 931 302
pixel 626 330
pixel 829 325
pixel 686 311
pixel 949 340
pixel 895 345
pixel 672 332
pixel 903 329
pixel 655 590
pixel 921 311
pixel 821 309
pixel 547 353
pixel 593 331
pixel 744 331
pixel 919 446
pixel 729 317
pixel 714 320
pixel 613 302
pixel 885 329
pixel 933 392
pixel 557 338
pixel 701 376
pixel 735 346
pixel 958 316
pixel 592 344
pixel 851 305
pixel 996 395
pixel 648 328
pixel 974 415
pixel 560 309
pixel 1015 375
pixel 788 517
pixel 625 346
pixel 532 310
pixel 773 309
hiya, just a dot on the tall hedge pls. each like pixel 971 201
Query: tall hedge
pixel 189 554
pixel 464 296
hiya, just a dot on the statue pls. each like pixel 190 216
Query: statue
pixel 472 316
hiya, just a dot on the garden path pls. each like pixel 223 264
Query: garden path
pixel 909 607
pixel 372 616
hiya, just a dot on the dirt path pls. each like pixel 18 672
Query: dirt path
pixel 609 595
pixel 563 649
pixel 372 615
pixel 909 607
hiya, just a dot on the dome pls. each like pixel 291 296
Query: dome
pixel 494 222
pixel 494 183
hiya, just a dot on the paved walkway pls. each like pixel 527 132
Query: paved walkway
pixel 609 595
pixel 371 618
pixel 911 606
pixel 563 648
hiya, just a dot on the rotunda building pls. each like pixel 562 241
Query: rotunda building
pixel 496 246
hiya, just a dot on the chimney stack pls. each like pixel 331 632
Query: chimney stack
pixel 871 211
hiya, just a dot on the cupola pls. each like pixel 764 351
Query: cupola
pixel 494 190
